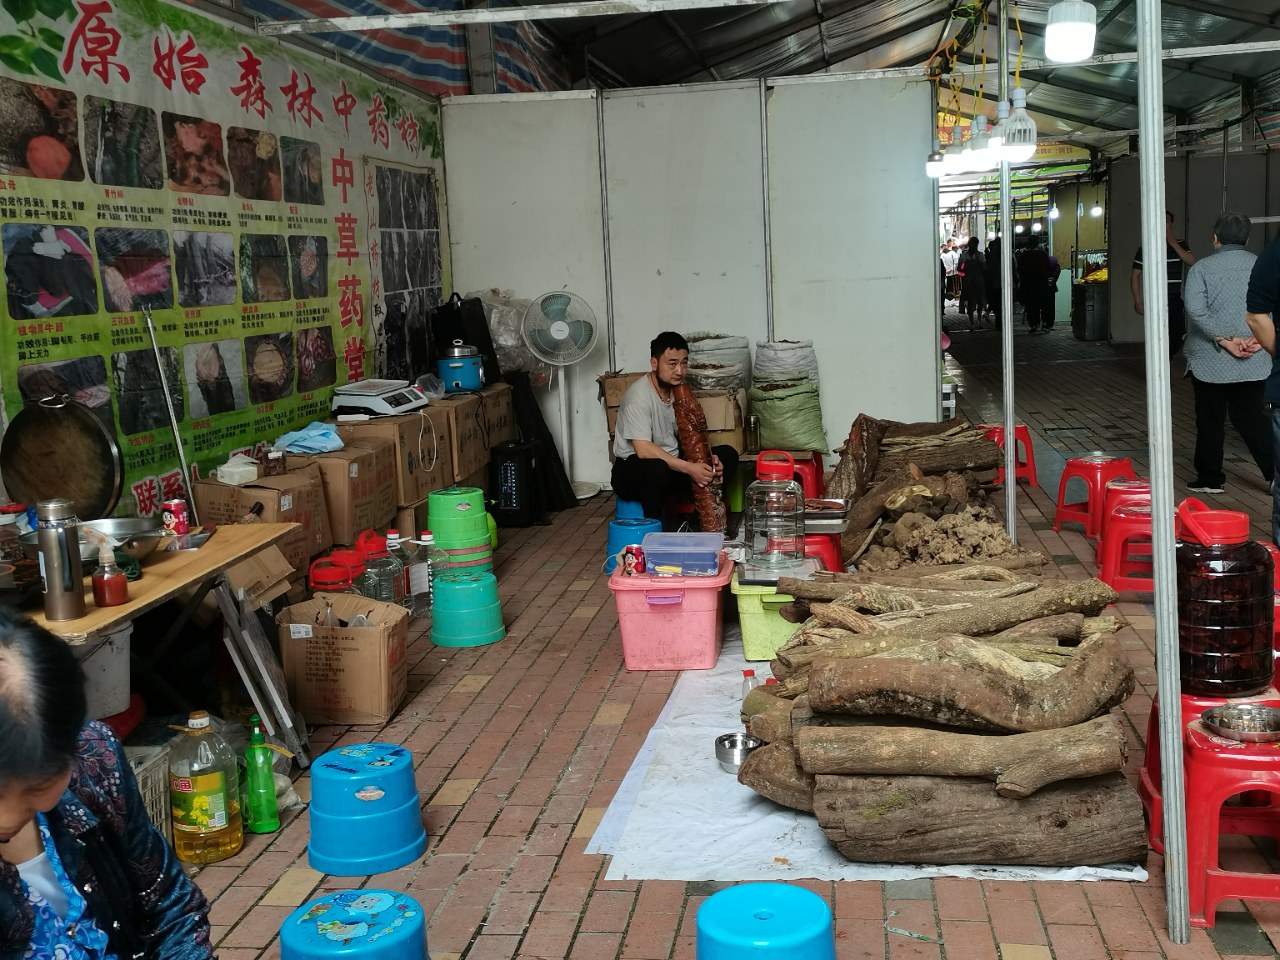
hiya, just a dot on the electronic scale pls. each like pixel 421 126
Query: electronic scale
pixel 378 398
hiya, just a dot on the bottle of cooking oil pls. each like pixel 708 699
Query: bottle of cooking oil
pixel 204 792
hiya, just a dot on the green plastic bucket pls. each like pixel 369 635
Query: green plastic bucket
pixel 457 513
pixel 465 609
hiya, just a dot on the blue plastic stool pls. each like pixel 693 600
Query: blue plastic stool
pixel 365 815
pixel 765 920
pixel 623 532
pixel 465 611
pixel 370 924
pixel 628 510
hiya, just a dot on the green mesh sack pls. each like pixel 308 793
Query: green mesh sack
pixel 790 415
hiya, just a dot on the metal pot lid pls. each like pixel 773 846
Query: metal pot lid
pixel 58 447
pixel 460 349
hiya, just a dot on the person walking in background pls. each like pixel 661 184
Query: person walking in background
pixel 1178 258
pixel 973 270
pixel 1261 304
pixel 992 271
pixel 1225 361
pixel 951 260
pixel 1033 270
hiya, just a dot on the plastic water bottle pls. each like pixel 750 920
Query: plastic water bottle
pixel 204 793
pixel 749 681
pixel 383 577
pixel 261 814
pixel 395 547
pixel 427 563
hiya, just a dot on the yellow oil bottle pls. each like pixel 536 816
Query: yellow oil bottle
pixel 204 793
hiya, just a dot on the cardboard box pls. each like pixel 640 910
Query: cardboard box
pixel 732 438
pixel 264 576
pixel 468 433
pixel 613 385
pixel 423 449
pixel 499 413
pixel 344 674
pixel 293 497
pixel 350 489
pixel 411 521
pixel 725 409
pixel 479 479
pixel 384 478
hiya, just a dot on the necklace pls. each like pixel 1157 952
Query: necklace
pixel 667 400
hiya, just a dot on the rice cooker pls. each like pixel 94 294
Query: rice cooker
pixel 461 368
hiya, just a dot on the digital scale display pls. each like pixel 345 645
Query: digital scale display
pixel 378 397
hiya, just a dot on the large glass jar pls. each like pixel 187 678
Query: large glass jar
pixel 775 512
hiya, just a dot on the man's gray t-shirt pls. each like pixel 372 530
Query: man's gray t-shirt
pixel 643 416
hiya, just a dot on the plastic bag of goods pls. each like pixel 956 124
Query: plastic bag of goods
pixel 505 313
pixel 790 414
pixel 786 358
pixel 718 361
pixel 718 376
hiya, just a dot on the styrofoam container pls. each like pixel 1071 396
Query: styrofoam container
pixel 671 623
pixel 763 629
pixel 683 554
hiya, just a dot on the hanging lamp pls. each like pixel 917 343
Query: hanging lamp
pixel 1018 133
pixel 1069 35
pixel 1053 212
pixel 935 165
pixel 1095 210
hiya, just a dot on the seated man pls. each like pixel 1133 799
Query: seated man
pixel 647 466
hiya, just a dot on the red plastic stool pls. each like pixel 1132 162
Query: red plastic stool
pixel 1096 471
pixel 1126 555
pixel 809 473
pixel 1216 770
pixel 1121 492
pixel 1024 455
pixel 826 547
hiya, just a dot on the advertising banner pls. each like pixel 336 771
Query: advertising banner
pixel 275 215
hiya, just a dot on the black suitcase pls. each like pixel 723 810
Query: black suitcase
pixel 517 496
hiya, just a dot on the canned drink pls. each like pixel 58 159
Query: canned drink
pixel 632 560
pixel 175 517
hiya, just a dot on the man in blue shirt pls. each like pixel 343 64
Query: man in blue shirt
pixel 1261 304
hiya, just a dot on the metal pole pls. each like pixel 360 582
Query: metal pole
pixel 173 414
pixel 768 226
pixel 1160 439
pixel 604 224
pixel 1006 302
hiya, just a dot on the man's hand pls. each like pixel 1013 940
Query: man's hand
pixel 1251 344
pixel 1169 237
pixel 701 473
pixel 1139 308
pixel 717 465
pixel 1237 347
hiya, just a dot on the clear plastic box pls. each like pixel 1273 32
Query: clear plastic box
pixel 682 554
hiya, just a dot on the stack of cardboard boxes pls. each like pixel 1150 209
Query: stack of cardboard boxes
pixel 381 478
pixel 726 410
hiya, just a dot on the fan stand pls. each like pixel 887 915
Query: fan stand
pixel 582 489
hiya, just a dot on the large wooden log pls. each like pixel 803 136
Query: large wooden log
pixel 852 475
pixel 1050 598
pixel 772 772
pixel 967 695
pixel 691 430
pixel 969 451
pixel 1020 763
pixel 1060 627
pixel 867 508
pixel 955 820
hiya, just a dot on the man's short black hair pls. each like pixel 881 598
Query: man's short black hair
pixel 1231 227
pixel 668 340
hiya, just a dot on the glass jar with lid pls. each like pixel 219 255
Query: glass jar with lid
pixel 775 512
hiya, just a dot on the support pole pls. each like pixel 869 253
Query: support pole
pixel 1006 303
pixel 1160 438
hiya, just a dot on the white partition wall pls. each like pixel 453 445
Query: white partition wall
pixel 854 248
pixel 686 213
pixel 525 174
pixel 849 228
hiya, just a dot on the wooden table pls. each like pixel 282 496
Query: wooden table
pixel 166 576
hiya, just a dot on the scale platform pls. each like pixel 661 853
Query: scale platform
pixel 378 398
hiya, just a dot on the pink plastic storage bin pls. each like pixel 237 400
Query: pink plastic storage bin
pixel 671 623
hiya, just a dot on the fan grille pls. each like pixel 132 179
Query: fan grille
pixel 559 328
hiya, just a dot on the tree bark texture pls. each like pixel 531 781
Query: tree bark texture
pixel 954 820
pixel 867 508
pixel 1062 626
pixel 852 475
pixel 691 432
pixel 970 696
pixel 1020 763
pixel 772 772
pixel 970 451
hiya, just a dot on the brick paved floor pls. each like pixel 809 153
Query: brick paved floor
pixel 521 745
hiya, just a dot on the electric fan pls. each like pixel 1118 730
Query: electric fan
pixel 560 329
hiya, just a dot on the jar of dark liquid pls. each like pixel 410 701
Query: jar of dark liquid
pixel 1225 603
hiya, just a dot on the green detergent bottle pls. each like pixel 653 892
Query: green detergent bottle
pixel 261 813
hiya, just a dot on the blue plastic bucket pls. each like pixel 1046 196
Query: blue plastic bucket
pixel 465 611
pixel 371 924
pixel 765 920
pixel 365 816
pixel 624 532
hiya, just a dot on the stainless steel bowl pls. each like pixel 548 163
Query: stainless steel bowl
pixel 1251 722
pixel 138 538
pixel 732 749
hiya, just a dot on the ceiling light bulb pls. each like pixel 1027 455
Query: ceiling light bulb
pixel 1017 228
pixel 1019 133
pixel 1035 227
pixel 991 234
pixel 934 165
pixel 1053 212
pixel 1095 210
pixel 954 160
pixel 995 136
pixel 1069 35
pixel 980 155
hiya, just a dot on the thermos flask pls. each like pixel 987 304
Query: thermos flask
pixel 58 537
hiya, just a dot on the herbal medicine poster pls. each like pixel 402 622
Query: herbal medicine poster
pixel 276 214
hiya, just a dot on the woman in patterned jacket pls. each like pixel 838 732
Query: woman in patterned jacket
pixel 83 873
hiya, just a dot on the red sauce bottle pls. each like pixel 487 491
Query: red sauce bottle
pixel 110 585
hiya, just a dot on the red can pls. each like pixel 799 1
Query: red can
pixel 175 517
pixel 632 560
